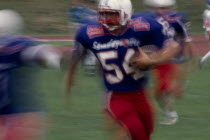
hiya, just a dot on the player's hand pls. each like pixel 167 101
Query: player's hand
pixel 143 61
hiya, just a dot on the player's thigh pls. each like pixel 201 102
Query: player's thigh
pixel 146 113
pixel 125 113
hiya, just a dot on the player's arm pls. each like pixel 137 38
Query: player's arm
pixel 188 50
pixel 207 26
pixel 159 36
pixel 78 52
pixel 208 32
pixel 145 61
pixel 169 51
pixel 206 22
pixel 43 54
pixel 183 29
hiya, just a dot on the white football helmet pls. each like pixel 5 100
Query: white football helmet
pixel 160 3
pixel 122 7
pixel 10 22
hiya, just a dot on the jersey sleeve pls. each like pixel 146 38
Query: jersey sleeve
pixel 181 30
pixel 80 44
pixel 159 33
pixel 185 19
pixel 16 46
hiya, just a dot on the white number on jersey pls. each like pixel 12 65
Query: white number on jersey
pixel 118 76
pixel 167 30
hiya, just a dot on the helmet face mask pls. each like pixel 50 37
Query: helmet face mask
pixel 110 19
pixel 114 14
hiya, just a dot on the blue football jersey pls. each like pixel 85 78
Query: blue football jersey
pixel 10 51
pixel 180 24
pixel 178 21
pixel 115 51
pixel 15 78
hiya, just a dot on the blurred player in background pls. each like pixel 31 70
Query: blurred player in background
pixel 170 76
pixel 21 112
pixel 117 42
pixel 80 13
pixel 206 26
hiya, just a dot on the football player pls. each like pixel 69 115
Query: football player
pixel 206 26
pixel 21 114
pixel 169 76
pixel 117 41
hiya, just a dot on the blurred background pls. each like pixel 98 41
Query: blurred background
pixel 50 16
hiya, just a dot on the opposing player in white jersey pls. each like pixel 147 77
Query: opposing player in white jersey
pixel 117 41
pixel 206 26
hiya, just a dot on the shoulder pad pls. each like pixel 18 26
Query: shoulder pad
pixel 95 31
pixel 16 44
pixel 140 24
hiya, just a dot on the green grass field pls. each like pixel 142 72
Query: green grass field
pixel 82 119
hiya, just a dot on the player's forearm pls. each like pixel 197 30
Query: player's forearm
pixel 73 63
pixel 70 74
pixel 170 50
pixel 69 81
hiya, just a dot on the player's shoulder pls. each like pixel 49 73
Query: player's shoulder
pixel 91 30
pixel 141 21
pixel 142 18
pixel 174 17
pixel 16 43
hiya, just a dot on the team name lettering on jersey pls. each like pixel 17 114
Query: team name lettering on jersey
pixel 94 31
pixel 140 25
pixel 116 43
